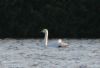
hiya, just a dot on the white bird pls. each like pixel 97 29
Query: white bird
pixel 45 31
pixel 62 43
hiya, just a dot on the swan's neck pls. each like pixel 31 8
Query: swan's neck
pixel 46 38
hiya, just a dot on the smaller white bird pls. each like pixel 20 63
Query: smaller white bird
pixel 62 43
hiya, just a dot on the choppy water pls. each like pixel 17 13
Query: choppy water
pixel 31 53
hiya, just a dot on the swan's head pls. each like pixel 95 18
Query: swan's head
pixel 59 40
pixel 44 30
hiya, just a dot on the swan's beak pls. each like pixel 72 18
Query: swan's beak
pixel 42 31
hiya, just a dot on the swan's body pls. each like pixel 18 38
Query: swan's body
pixel 45 31
pixel 62 44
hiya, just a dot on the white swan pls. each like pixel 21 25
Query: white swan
pixel 62 43
pixel 45 31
